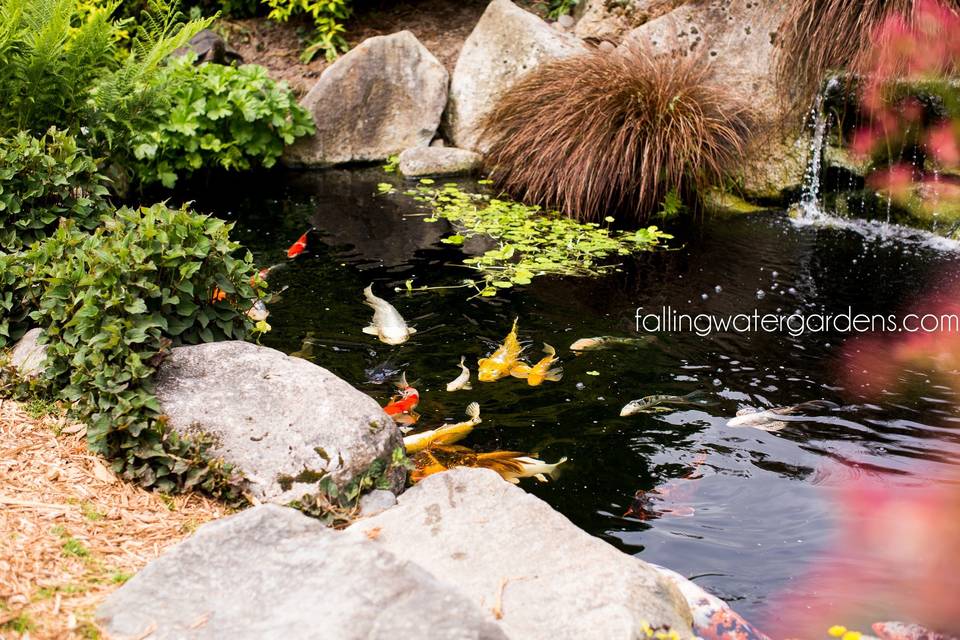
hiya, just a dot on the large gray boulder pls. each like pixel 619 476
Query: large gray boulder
pixel 272 572
pixel 506 43
pixel 438 161
pixel 28 355
pixel 283 422
pixel 384 96
pixel 513 555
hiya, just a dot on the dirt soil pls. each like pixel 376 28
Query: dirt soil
pixel 70 530
pixel 441 25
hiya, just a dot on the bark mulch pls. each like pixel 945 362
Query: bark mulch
pixel 70 530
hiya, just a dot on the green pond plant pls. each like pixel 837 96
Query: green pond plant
pixel 530 241
pixel 111 303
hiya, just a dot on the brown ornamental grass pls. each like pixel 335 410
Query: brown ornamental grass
pixel 613 133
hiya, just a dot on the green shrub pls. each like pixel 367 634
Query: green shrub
pixel 111 303
pixel 42 180
pixel 232 117
pixel 328 17
pixel 58 66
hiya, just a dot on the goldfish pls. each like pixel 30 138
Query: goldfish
pixel 541 371
pixel 299 246
pixel 447 434
pixel 462 381
pixel 387 324
pixel 769 419
pixel 401 407
pixel 605 342
pixel 651 404
pixel 502 361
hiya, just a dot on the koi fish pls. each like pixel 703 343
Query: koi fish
pixel 447 434
pixel 382 372
pixel 462 381
pixel 541 371
pixel 903 631
pixel 258 312
pixel 299 246
pixel 502 361
pixel 651 404
pixel 401 407
pixel 605 342
pixel 713 619
pixel 387 324
pixel 769 419
pixel 511 465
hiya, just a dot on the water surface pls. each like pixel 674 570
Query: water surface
pixel 744 512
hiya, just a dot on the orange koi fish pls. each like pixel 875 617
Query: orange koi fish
pixel 502 361
pixel 299 246
pixel 541 371
pixel 401 406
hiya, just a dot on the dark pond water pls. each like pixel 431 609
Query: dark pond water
pixel 743 511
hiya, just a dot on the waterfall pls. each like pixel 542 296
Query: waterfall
pixel 809 207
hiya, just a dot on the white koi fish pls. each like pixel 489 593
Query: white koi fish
pixel 387 324
pixel 462 381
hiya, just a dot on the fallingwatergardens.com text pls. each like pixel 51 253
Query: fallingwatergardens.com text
pixel 669 320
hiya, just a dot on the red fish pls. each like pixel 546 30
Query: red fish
pixel 405 402
pixel 299 246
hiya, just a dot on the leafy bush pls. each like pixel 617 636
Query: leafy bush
pixel 58 67
pixel 42 180
pixel 328 17
pixel 233 117
pixel 111 303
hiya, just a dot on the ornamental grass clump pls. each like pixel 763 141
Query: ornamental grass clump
pixel 605 134
pixel 111 303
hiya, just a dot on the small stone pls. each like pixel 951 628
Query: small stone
pixel 565 21
pixel 27 356
pixel 438 161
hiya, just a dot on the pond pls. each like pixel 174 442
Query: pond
pixel 742 511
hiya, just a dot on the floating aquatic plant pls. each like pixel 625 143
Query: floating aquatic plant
pixel 530 241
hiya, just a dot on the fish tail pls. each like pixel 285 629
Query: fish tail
pixel 554 375
pixel 547 349
pixel 473 411
pixel 403 384
pixel 462 359
pixel 371 299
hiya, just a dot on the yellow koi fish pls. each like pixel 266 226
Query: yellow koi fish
pixel 502 361
pixel 447 434
pixel 511 465
pixel 541 371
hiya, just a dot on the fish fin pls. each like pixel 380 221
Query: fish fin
pixel 411 330
pixel 473 411
pixel 467 386
pixel 554 375
pixel 547 349
pixel 403 381
pixel 520 370
pixel 540 477
pixel 512 480
pixel 371 331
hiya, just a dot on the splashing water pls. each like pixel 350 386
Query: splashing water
pixel 810 201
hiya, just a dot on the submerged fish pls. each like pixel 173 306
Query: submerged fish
pixel 387 324
pixel 769 419
pixel 378 374
pixel 445 435
pixel 512 469
pixel 258 312
pixel 904 631
pixel 605 342
pixel 541 371
pixel 462 381
pixel 299 246
pixel 502 361
pixel 651 404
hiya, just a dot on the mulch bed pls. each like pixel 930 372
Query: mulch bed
pixel 70 530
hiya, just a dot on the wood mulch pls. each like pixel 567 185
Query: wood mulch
pixel 70 530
